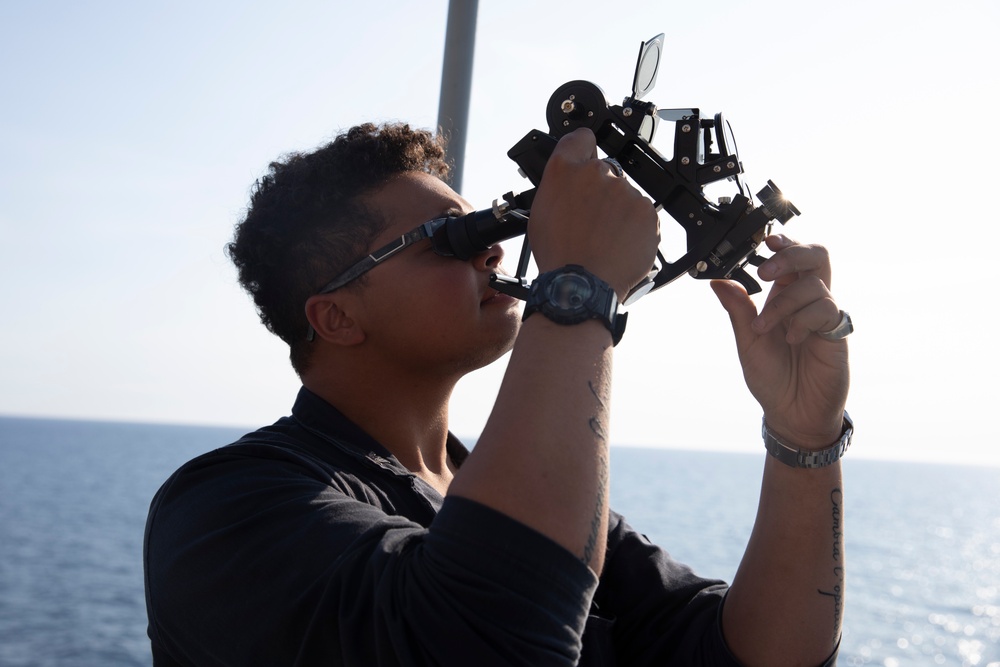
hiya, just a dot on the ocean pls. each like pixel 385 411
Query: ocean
pixel 923 541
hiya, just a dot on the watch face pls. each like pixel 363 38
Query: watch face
pixel 569 291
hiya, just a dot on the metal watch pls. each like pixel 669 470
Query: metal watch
pixel 804 458
pixel 571 295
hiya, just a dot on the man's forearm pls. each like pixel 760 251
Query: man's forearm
pixel 543 456
pixel 787 600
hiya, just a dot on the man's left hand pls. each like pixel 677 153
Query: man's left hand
pixel 799 378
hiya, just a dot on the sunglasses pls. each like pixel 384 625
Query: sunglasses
pixel 355 271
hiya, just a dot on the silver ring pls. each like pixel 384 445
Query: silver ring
pixel 843 329
pixel 615 166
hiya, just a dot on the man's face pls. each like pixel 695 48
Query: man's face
pixel 426 312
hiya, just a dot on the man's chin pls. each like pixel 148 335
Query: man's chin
pixel 491 351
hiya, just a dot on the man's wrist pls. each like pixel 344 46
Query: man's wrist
pixel 796 456
pixel 572 295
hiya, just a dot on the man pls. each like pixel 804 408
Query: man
pixel 358 531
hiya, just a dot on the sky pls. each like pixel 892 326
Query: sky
pixel 132 132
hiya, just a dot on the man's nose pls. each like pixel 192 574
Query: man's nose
pixel 489 259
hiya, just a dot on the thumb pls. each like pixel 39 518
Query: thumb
pixel 579 145
pixel 740 307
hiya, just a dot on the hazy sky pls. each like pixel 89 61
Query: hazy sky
pixel 131 133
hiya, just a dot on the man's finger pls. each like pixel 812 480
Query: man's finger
pixel 579 145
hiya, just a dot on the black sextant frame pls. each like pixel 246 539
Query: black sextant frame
pixel 722 236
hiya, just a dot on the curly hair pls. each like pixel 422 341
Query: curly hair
pixel 305 223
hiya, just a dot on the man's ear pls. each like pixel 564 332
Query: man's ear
pixel 331 322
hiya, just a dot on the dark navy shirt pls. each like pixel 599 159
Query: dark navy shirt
pixel 308 543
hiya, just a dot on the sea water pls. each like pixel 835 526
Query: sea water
pixel 923 541
pixel 922 545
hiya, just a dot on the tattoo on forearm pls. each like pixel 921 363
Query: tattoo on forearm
pixel 836 500
pixel 597 519
pixel 597 427
pixel 597 395
pixel 596 422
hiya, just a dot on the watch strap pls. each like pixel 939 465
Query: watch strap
pixel 804 458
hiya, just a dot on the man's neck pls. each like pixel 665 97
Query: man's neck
pixel 408 418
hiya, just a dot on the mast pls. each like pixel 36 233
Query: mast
pixel 456 82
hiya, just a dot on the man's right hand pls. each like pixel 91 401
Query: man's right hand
pixel 585 214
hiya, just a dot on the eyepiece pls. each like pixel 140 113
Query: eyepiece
pixel 466 236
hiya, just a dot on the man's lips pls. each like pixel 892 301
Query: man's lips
pixel 495 296
pixel 490 295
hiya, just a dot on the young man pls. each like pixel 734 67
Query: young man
pixel 358 531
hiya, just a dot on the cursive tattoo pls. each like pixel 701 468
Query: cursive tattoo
pixel 597 422
pixel 596 521
pixel 596 394
pixel 836 500
pixel 598 517
pixel 597 428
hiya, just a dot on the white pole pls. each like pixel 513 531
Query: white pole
pixel 456 82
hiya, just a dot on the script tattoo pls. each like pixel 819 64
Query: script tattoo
pixel 598 517
pixel 836 499
pixel 597 394
pixel 597 427
pixel 596 423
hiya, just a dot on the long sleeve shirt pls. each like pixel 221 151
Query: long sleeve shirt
pixel 307 543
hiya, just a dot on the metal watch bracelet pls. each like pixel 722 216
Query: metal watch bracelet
pixel 805 458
